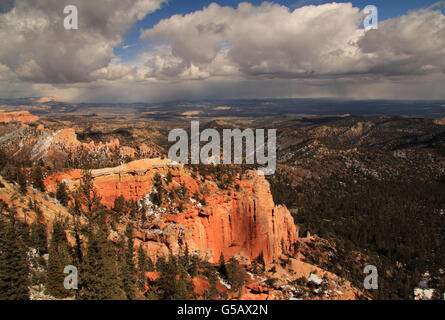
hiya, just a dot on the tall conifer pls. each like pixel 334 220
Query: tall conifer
pixel 129 272
pixel 59 258
pixel 100 278
pixel 14 270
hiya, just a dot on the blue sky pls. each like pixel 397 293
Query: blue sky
pixel 131 46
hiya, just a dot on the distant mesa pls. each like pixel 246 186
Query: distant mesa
pixel 46 100
pixel 17 116
pixel 191 113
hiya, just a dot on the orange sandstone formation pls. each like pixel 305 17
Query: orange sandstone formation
pixel 133 180
pixel 244 223
pixel 18 116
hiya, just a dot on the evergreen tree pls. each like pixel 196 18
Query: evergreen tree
pixel 186 258
pixel 62 193
pixel 37 178
pixel 143 217
pixel 142 268
pixel 141 282
pixel 86 194
pixel 100 273
pixel 235 274
pixel 150 265
pixel 99 266
pixel 4 283
pixel 260 259
pixel 76 211
pixel 258 264
pixel 194 265
pixel 59 257
pixel 222 266
pixel 77 250
pixel 119 205
pixel 14 270
pixel 132 208
pixel 167 278
pixel 152 293
pixel 91 268
pixel 142 260
pixel 190 263
pixel 169 177
pixel 173 282
pixel 129 274
pixel 3 158
pixel 182 288
pixel 21 180
pixel 212 292
pixel 22 230
pixel 38 239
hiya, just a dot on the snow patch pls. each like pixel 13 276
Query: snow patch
pixel 315 279
pixel 423 294
pixel 224 283
pixel 40 149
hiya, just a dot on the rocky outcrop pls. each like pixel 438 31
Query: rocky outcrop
pixel 246 224
pixel 18 116
pixel 132 180
pixel 243 223
pixel 50 208
pixel 56 145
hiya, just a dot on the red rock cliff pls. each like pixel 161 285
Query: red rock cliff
pixel 18 116
pixel 244 223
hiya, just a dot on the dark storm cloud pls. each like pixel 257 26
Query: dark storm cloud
pixel 40 50
pixel 248 51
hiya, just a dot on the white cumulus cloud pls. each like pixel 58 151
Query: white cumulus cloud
pixel 37 48
pixel 220 52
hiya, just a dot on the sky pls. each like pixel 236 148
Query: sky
pixel 159 50
pixel 387 8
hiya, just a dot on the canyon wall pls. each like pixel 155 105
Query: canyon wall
pixel 243 222
pixel 246 223
pixel 18 116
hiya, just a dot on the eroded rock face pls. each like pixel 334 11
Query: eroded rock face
pixel 245 223
pixel 19 116
pixel 133 180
